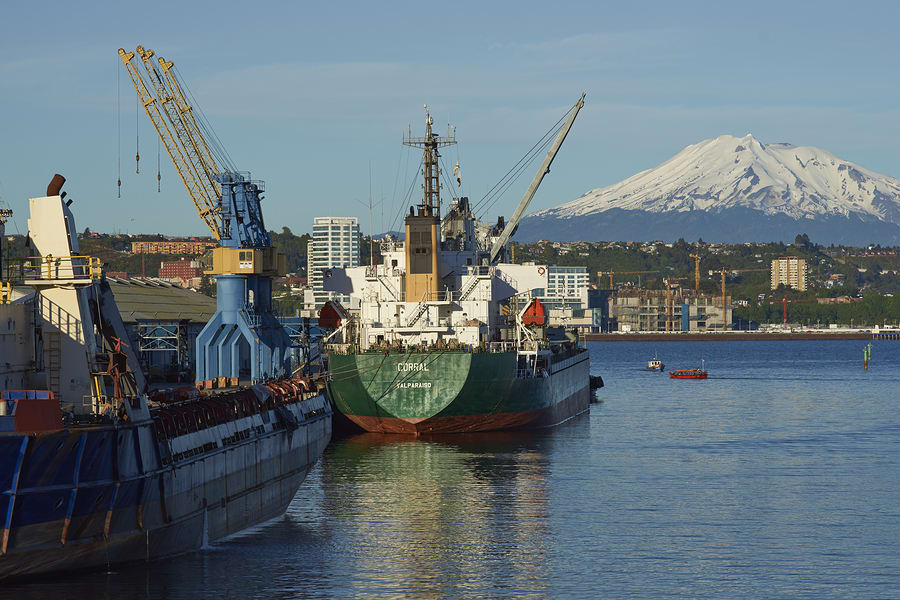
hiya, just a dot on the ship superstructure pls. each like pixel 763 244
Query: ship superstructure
pixel 93 471
pixel 442 342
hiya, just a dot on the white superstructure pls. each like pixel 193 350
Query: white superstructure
pixel 469 306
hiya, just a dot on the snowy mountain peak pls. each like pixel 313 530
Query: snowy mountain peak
pixel 801 182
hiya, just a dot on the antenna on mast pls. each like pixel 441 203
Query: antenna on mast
pixel 431 201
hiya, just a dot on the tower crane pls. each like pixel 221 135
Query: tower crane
pixel 696 258
pixel 612 273
pixel 723 272
pixel 669 311
pixel 243 337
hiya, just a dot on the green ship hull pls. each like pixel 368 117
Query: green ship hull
pixel 451 391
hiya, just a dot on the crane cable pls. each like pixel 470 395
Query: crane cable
pixel 137 135
pixel 500 187
pixel 118 131
pixel 408 195
pixel 216 146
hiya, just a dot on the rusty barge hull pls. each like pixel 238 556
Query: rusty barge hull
pixel 90 496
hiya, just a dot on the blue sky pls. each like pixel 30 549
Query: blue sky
pixel 310 97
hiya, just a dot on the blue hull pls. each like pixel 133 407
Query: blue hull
pixel 90 496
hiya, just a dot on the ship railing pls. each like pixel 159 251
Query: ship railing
pixel 509 280
pixel 34 270
pixel 253 318
pixel 67 323
pixel 480 270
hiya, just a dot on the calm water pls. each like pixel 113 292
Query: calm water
pixel 777 477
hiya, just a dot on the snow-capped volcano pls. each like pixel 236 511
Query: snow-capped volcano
pixel 727 174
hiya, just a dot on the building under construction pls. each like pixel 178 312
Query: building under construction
pixel 635 309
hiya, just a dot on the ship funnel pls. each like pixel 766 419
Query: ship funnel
pixel 55 185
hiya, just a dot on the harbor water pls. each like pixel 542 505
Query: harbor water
pixel 779 476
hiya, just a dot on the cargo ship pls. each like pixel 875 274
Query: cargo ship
pixel 449 336
pixel 92 470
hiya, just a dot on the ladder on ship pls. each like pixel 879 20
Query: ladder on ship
pixel 420 309
pixel 53 360
pixel 473 283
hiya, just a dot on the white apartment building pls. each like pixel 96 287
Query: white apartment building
pixel 567 287
pixel 790 271
pixel 335 243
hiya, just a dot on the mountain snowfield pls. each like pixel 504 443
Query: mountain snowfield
pixel 808 186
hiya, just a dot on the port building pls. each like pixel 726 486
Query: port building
pixel 790 271
pixel 162 321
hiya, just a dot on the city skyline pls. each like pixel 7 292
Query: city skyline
pixel 315 99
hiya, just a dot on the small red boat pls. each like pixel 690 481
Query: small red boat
pixel 688 374
pixel 700 373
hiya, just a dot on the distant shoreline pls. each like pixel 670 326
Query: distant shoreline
pixel 726 337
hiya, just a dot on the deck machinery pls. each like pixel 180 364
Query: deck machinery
pixel 244 340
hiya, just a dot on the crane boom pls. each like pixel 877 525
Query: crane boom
pixel 195 133
pixel 189 146
pixel 245 261
pixel 173 148
pixel 501 241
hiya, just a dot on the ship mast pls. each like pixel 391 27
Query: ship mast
pixel 431 201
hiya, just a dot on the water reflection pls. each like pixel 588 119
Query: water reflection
pixel 466 513
pixel 465 516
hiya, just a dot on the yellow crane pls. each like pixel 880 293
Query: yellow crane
pixel 612 273
pixel 668 281
pixel 183 142
pixel 696 258
pixel 228 201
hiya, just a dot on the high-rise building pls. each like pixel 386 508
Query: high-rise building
pixel 335 243
pixel 790 271
pixel 567 287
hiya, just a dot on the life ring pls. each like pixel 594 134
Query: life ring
pixel 541 270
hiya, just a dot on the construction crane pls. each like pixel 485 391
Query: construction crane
pixel 784 302
pixel 612 273
pixel 668 281
pixel 244 336
pixel 696 258
pixel 723 272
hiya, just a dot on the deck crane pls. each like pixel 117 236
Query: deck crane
pixel 499 245
pixel 243 339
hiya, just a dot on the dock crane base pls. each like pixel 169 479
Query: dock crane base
pixel 239 342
